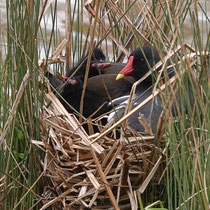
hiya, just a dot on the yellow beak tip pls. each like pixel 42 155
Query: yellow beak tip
pixel 119 76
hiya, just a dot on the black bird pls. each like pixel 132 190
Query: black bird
pixel 101 85
pixel 72 93
pixel 97 57
pixel 100 90
pixel 139 63
pixel 98 66
pixel 98 61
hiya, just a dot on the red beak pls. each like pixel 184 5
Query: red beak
pixel 127 70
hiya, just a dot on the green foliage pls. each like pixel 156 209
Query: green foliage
pixel 18 171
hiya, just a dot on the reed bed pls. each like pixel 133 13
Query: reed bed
pixel 49 161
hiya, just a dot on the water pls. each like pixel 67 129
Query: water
pixel 188 31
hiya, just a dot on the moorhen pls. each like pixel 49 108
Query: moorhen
pixel 100 90
pixel 139 63
pixel 98 66
pixel 98 61
pixel 97 57
pixel 101 85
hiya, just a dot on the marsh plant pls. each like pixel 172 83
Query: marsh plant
pixel 32 33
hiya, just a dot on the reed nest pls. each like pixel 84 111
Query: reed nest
pixel 99 171
pixel 89 173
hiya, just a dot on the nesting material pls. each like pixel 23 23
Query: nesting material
pixel 105 173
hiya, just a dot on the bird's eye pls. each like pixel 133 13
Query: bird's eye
pixel 142 59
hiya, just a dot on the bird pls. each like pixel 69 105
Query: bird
pixel 55 81
pixel 98 66
pixel 96 58
pixel 100 89
pixel 98 61
pixel 140 61
pixel 101 85
pixel 72 93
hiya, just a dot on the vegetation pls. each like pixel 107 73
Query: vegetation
pixel 183 176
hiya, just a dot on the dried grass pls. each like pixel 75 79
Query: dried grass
pixel 88 172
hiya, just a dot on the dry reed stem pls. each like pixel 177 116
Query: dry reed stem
pixel 145 124
pixel 23 85
pixel 44 9
pixel 93 13
pixel 89 58
pixel 68 35
pixel 93 180
pixel 55 199
pixel 59 49
pixel 103 178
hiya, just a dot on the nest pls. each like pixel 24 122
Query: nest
pixel 87 171
pixel 99 171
